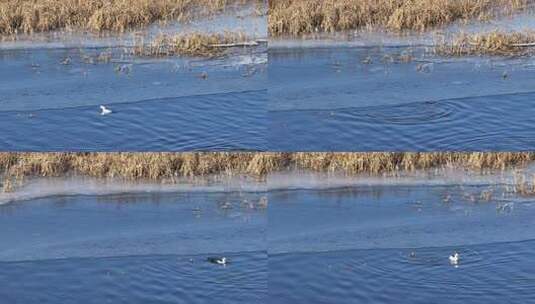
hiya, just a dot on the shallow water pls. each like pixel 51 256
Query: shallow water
pixel 369 99
pixel 132 248
pixel 390 243
pixel 158 104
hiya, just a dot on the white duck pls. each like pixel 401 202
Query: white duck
pixel 218 260
pixel 104 110
pixel 454 258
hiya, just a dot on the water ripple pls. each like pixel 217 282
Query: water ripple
pixel 495 271
pixel 137 279
pixel 229 121
pixel 497 123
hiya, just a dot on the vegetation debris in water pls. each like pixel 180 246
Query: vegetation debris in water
pixel 192 44
pixel 495 43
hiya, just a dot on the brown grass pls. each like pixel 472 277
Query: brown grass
pixel 29 16
pixel 193 44
pixel 378 162
pixel 16 167
pixel 296 17
pixel 491 43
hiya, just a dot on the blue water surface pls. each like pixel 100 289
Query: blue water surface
pixel 134 248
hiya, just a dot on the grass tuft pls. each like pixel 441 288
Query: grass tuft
pixel 193 44
pixel 493 43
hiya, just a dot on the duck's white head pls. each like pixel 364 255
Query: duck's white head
pixel 223 260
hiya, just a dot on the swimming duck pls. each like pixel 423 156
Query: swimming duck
pixel 66 61
pixel 218 260
pixel 454 258
pixel 104 110
pixel 367 60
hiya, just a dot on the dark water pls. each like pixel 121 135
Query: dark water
pixel 328 99
pixel 134 248
pixel 390 244
pixel 158 104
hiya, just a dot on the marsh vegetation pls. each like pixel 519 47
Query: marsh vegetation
pixel 192 44
pixel 30 16
pixel 295 17
pixel 494 43
pixel 167 167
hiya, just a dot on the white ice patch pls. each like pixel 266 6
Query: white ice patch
pixel 67 186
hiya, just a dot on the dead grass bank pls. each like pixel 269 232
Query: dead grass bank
pixel 296 17
pixel 379 162
pixel 494 43
pixel 29 16
pixel 16 167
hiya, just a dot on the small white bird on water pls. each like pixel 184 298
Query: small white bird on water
pixel 104 110
pixel 218 260
pixel 454 258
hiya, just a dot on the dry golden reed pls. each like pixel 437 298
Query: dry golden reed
pixel 388 162
pixel 168 166
pixel 29 16
pixel 296 17
pixel 491 43
pixel 131 166
pixel 192 44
